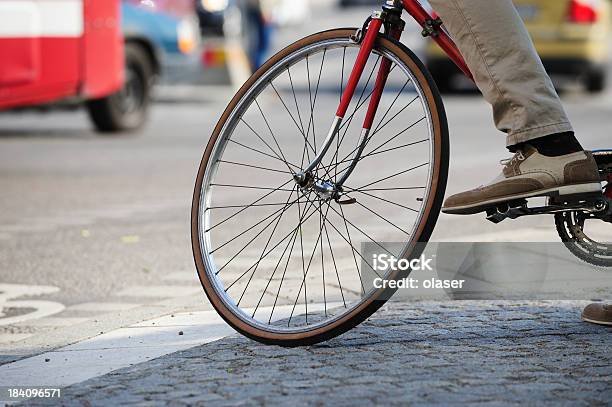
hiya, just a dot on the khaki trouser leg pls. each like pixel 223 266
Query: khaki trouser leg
pixel 506 67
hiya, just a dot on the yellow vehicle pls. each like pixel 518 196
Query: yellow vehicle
pixel 571 36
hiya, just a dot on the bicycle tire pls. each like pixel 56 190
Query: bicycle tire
pixel 425 228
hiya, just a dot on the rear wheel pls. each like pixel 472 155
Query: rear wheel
pixel 589 236
pixel 586 236
pixel 127 109
pixel 284 263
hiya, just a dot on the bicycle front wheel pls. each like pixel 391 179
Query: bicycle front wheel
pixel 284 263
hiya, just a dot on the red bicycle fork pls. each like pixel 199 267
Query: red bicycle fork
pixel 391 18
pixel 431 28
pixel 367 45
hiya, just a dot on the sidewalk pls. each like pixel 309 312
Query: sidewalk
pixel 427 353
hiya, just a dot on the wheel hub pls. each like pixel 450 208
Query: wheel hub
pixel 325 190
pixel 307 183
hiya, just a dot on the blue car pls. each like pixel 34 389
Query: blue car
pixel 158 46
pixel 168 41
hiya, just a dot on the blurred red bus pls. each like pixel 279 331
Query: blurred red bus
pixel 67 50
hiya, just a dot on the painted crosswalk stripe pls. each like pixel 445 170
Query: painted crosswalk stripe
pixel 111 351
pixel 122 348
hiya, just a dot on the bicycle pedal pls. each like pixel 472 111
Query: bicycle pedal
pixel 507 210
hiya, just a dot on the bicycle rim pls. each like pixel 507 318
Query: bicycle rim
pixel 332 307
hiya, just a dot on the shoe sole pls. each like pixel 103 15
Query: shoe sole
pixel 594 321
pixel 566 190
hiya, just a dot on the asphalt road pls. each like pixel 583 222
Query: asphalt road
pixel 95 224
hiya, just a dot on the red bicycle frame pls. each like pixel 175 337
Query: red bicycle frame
pixel 391 18
pixel 425 20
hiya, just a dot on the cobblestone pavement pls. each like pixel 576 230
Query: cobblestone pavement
pixel 484 353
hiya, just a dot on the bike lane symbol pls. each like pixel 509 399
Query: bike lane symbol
pixel 12 312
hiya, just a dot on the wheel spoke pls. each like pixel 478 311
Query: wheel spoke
pixel 361 191
pixel 297 108
pixel 280 260
pixel 399 134
pixel 251 204
pixel 254 166
pixel 388 189
pixel 280 150
pixel 393 176
pixel 331 251
pixel 349 241
pixel 282 211
pixel 280 217
pixel 348 159
pixel 372 154
pixel 376 128
pixel 313 101
pixel 323 265
pixel 243 206
pixel 292 118
pixel 383 218
pixel 283 276
pixel 380 127
pixel 303 267
pixel 264 141
pixel 261 152
pixel 271 250
pixel 358 229
pixel 303 285
pixel 252 187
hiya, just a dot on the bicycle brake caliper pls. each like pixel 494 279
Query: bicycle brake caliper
pixel 360 33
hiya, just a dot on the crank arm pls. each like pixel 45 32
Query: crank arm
pixel 518 209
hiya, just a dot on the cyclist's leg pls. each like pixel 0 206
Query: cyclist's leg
pixel 506 67
pixel 510 74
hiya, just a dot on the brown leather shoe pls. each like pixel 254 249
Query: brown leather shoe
pixel 529 174
pixel 600 314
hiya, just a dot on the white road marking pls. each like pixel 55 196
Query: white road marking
pixel 122 348
pixel 41 308
pixel 111 351
pixel 163 291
